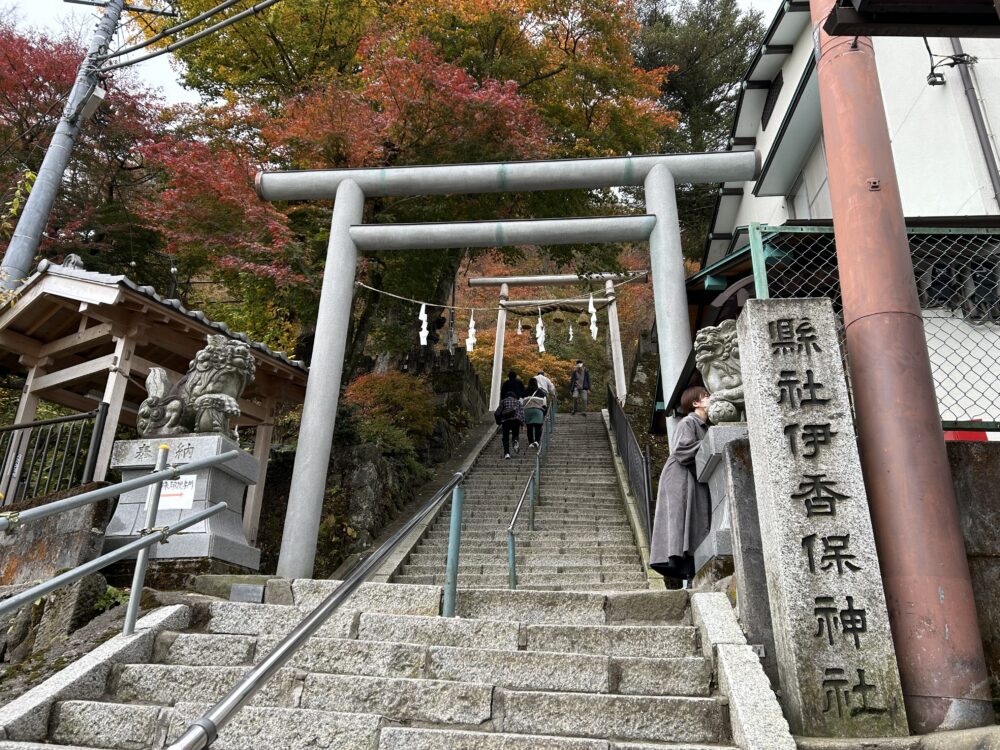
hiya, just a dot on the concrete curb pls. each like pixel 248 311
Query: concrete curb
pixel 655 579
pixel 754 714
pixel 396 560
pixel 26 718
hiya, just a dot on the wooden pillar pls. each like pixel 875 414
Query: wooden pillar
pixel 114 395
pixel 26 409
pixel 255 493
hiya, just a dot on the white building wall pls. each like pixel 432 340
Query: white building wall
pixel 939 162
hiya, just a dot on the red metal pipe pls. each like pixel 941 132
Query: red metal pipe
pixel 915 517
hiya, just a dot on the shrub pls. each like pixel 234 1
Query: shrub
pixel 397 399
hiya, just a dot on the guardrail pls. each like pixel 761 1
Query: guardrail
pixel 530 490
pixel 636 462
pixel 49 455
pixel 150 536
pixel 203 732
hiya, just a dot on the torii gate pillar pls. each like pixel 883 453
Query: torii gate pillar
pixel 497 378
pixel 615 336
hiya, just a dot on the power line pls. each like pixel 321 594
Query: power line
pixel 194 37
pixel 172 30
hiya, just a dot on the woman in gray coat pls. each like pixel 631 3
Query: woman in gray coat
pixel 682 502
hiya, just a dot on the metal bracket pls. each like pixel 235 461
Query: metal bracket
pixel 156 530
pixel 13 519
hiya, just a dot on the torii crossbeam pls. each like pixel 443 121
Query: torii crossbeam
pixel 609 300
pixel 656 174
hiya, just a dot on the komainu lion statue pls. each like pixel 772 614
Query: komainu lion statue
pixel 204 399
pixel 717 357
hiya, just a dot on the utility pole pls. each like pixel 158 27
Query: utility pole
pixel 918 534
pixel 28 232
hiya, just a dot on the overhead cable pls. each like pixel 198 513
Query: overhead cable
pixel 194 37
pixel 171 30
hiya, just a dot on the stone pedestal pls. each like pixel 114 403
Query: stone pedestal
pixel 752 605
pixel 217 538
pixel 713 559
pixel 835 653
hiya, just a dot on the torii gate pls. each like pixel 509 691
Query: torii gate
pixel 609 300
pixel 657 174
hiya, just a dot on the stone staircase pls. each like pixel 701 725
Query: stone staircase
pixel 517 670
pixel 582 538
pixel 590 662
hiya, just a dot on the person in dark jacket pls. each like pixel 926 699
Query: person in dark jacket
pixel 683 513
pixel 512 386
pixel 579 387
pixel 510 416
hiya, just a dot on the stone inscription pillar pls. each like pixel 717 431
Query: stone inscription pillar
pixel 831 628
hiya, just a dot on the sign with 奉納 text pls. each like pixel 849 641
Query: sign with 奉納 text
pixel 834 649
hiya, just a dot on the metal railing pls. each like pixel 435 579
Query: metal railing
pixel 636 462
pixel 203 732
pixel 49 455
pixel 958 278
pixel 531 488
pixel 9 522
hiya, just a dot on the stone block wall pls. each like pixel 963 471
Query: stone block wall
pixel 975 469
pixel 36 551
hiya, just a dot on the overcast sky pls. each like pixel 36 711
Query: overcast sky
pixel 56 15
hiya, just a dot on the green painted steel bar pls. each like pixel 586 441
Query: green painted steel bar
pixel 531 501
pixel 156 537
pixel 511 561
pixel 454 543
pixel 758 260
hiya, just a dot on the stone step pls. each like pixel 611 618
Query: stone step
pixel 409 738
pixel 526 579
pixel 531 556
pixel 397 699
pixel 530 566
pixel 556 585
pixel 570 505
pixel 522 670
pixel 583 538
pixel 127 727
pixel 440 631
pixel 640 641
pixel 567 510
pixel 235 618
pixel 554 548
pixel 551 607
pixel 623 717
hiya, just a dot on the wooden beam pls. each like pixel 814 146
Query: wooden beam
pixel 74 373
pixel 114 396
pixel 92 336
pixel 255 493
pixel 19 343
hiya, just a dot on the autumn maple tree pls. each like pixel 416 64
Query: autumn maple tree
pixel 94 215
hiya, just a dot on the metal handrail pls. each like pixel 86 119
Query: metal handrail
pixel 533 484
pixel 53 420
pixel 12 519
pixel 203 732
pixel 154 536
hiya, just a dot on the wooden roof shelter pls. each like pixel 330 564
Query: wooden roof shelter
pixel 81 337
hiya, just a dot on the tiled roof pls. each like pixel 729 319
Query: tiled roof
pixel 54 269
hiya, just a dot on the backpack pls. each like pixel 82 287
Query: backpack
pixel 508 413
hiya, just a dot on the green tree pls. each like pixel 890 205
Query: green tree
pixel 709 44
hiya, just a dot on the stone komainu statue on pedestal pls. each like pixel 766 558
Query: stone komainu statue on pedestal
pixel 204 399
pixel 717 357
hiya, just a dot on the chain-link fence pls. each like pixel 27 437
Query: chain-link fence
pixel 957 277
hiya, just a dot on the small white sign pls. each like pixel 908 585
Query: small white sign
pixel 178 494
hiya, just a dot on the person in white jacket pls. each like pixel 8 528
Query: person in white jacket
pixel 535 405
